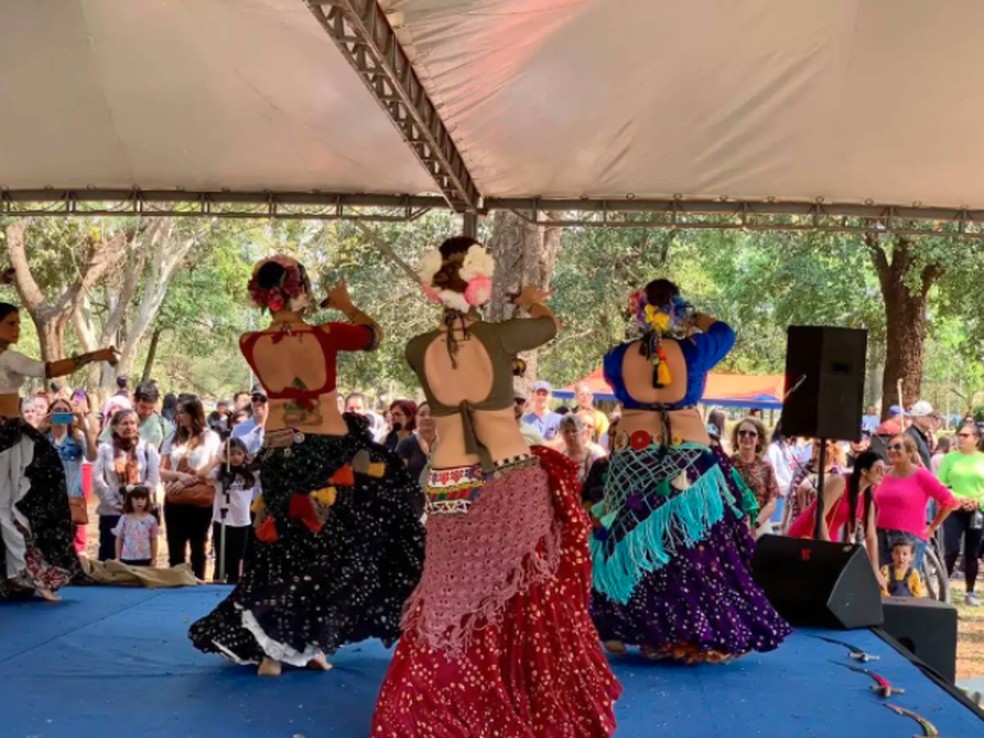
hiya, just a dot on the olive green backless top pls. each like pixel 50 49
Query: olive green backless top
pixel 502 341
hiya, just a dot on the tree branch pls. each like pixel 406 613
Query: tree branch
pixel 102 256
pixel 387 250
pixel 136 262
pixel 878 256
pixel 28 289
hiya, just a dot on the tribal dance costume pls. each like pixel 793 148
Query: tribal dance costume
pixel 35 519
pixel 672 552
pixel 497 638
pixel 338 545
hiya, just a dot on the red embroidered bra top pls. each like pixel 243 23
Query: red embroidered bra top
pixel 332 337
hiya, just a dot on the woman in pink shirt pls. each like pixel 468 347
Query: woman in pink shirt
pixel 902 498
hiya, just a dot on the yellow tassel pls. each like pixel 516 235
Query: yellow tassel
pixel 663 374
pixel 325 496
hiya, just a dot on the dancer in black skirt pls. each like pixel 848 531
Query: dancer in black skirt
pixel 338 547
pixel 36 530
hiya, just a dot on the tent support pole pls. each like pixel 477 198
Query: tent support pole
pixel 469 224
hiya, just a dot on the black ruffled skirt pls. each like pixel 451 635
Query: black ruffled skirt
pixel 35 520
pixel 337 550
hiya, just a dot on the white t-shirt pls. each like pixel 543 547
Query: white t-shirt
pixel 198 457
pixel 784 462
pixel 237 503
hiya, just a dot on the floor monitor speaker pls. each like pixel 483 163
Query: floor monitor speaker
pixel 928 629
pixel 818 583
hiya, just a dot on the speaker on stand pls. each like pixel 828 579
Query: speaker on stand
pixel 813 582
pixel 824 389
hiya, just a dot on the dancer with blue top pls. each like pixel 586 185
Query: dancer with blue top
pixel 671 551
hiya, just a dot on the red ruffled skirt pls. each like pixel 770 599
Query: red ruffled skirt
pixel 528 666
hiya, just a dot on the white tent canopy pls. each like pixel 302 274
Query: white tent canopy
pixel 193 94
pixel 851 101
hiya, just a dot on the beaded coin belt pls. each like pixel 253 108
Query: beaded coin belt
pixel 452 491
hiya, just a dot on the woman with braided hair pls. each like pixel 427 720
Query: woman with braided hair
pixel 497 639
pixel 671 551
pixel 338 545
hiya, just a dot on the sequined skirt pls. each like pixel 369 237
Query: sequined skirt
pixel 338 549
pixel 671 556
pixel 505 650
pixel 35 520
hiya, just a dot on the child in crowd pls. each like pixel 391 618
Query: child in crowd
pixel 902 578
pixel 137 531
pixel 236 488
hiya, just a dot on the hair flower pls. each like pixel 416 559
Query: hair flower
pixel 476 269
pixel 478 263
pixel 292 290
pixel 429 266
pixel 479 291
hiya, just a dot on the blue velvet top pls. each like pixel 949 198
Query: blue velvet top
pixel 701 352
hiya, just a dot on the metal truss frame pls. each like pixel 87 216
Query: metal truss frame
pixel 227 204
pixel 772 214
pixel 363 34
pixel 676 213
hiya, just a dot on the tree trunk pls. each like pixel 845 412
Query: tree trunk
pixel 905 317
pixel 163 261
pixel 51 317
pixel 874 372
pixel 524 254
pixel 155 339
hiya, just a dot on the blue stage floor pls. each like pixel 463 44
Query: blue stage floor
pixel 111 662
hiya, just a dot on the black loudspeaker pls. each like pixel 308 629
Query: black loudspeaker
pixel 824 382
pixel 818 583
pixel 928 629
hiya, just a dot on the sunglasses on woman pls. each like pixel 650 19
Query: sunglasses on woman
pixel 896 447
pixel 747 434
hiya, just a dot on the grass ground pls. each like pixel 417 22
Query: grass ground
pixel 970 636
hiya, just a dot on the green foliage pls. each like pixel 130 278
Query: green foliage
pixel 760 282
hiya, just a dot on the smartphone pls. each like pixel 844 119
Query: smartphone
pixel 62 418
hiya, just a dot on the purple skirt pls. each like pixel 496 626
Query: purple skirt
pixel 672 558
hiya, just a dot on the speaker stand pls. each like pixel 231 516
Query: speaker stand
pixel 822 462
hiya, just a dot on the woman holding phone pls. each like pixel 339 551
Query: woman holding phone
pixel 69 430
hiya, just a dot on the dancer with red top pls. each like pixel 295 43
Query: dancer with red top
pixel 497 638
pixel 338 545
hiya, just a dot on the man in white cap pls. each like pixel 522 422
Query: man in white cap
pixel 253 431
pixel 542 419
pixel 921 430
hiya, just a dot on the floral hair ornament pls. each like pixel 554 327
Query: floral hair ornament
pixel 292 292
pixel 659 322
pixel 476 270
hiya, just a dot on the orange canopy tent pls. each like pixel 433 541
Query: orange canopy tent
pixel 762 391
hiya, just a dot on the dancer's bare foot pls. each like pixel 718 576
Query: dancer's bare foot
pixel 319 663
pixel 614 647
pixel 654 654
pixel 269 667
pixel 48 595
